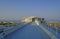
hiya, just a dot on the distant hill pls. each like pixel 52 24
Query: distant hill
pixel 10 20
pixel 53 21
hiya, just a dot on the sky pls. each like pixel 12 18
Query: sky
pixel 17 9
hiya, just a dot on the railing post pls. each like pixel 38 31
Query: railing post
pixel 56 31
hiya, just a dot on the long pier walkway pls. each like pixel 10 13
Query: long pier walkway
pixel 30 31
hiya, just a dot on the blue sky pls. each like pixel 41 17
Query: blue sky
pixel 16 9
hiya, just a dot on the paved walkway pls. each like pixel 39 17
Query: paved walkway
pixel 30 31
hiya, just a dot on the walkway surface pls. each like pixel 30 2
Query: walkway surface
pixel 30 31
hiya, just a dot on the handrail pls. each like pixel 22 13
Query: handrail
pixel 9 31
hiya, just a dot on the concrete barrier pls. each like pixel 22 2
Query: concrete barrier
pixel 11 30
